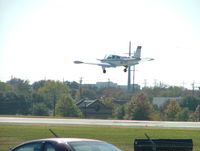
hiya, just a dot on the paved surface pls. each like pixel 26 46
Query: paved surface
pixel 16 120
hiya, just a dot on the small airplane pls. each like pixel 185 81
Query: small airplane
pixel 112 61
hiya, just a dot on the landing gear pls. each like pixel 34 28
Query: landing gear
pixel 125 68
pixel 104 70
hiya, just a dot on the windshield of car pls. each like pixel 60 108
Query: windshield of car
pixel 92 146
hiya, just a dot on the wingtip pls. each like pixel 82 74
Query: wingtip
pixel 78 62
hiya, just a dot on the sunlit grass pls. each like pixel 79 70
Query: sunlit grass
pixel 123 137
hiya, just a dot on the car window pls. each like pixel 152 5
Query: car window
pixel 92 146
pixel 49 147
pixel 29 147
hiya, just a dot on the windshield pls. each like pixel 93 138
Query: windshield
pixel 92 146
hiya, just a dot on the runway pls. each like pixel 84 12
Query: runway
pixel 130 123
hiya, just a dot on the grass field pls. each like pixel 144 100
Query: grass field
pixel 122 137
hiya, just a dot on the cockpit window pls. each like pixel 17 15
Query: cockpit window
pixel 110 57
pixel 113 57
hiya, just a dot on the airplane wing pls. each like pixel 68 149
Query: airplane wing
pixel 146 59
pixel 105 65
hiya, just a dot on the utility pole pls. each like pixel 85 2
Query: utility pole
pixel 193 86
pixel 155 82
pixel 183 84
pixel 108 82
pixel 133 79
pixel 145 83
pixel 129 70
pixel 80 88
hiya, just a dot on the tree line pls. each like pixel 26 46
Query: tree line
pixel 56 98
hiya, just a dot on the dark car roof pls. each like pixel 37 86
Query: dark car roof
pixel 58 140
pixel 62 140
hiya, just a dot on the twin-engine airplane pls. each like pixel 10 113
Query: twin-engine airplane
pixel 112 61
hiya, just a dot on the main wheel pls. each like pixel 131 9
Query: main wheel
pixel 125 70
pixel 104 71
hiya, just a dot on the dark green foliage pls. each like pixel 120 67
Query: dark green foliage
pixel 191 102
pixel 183 115
pixel 38 84
pixel 74 86
pixel 138 108
pixel 196 115
pixel 119 112
pixel 5 87
pixel 12 103
pixel 172 110
pixel 52 91
pixel 17 96
pixel 65 107
pixel 163 91
pixel 40 109
pixel 20 86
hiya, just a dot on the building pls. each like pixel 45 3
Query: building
pixel 94 109
pixel 162 100
pixel 106 84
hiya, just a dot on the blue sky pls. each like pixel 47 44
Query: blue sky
pixel 41 39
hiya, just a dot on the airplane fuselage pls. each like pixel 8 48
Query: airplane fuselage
pixel 121 62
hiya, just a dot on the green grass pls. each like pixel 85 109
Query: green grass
pixel 122 137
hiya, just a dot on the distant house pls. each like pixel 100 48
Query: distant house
pixel 121 102
pixel 94 109
pixel 162 100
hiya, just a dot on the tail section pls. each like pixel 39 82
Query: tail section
pixel 137 54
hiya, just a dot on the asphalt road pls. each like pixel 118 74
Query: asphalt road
pixel 131 123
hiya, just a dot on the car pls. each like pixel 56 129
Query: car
pixel 65 144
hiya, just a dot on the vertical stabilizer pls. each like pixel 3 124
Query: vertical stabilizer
pixel 137 54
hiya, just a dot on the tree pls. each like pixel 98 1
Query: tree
pixel 38 84
pixel 191 102
pixel 5 87
pixel 119 112
pixel 13 103
pixel 183 115
pixel 74 86
pixel 66 107
pixel 171 92
pixel 108 102
pixel 196 114
pixel 20 86
pixel 138 108
pixel 172 109
pixel 52 91
pixel 164 91
pixel 40 109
